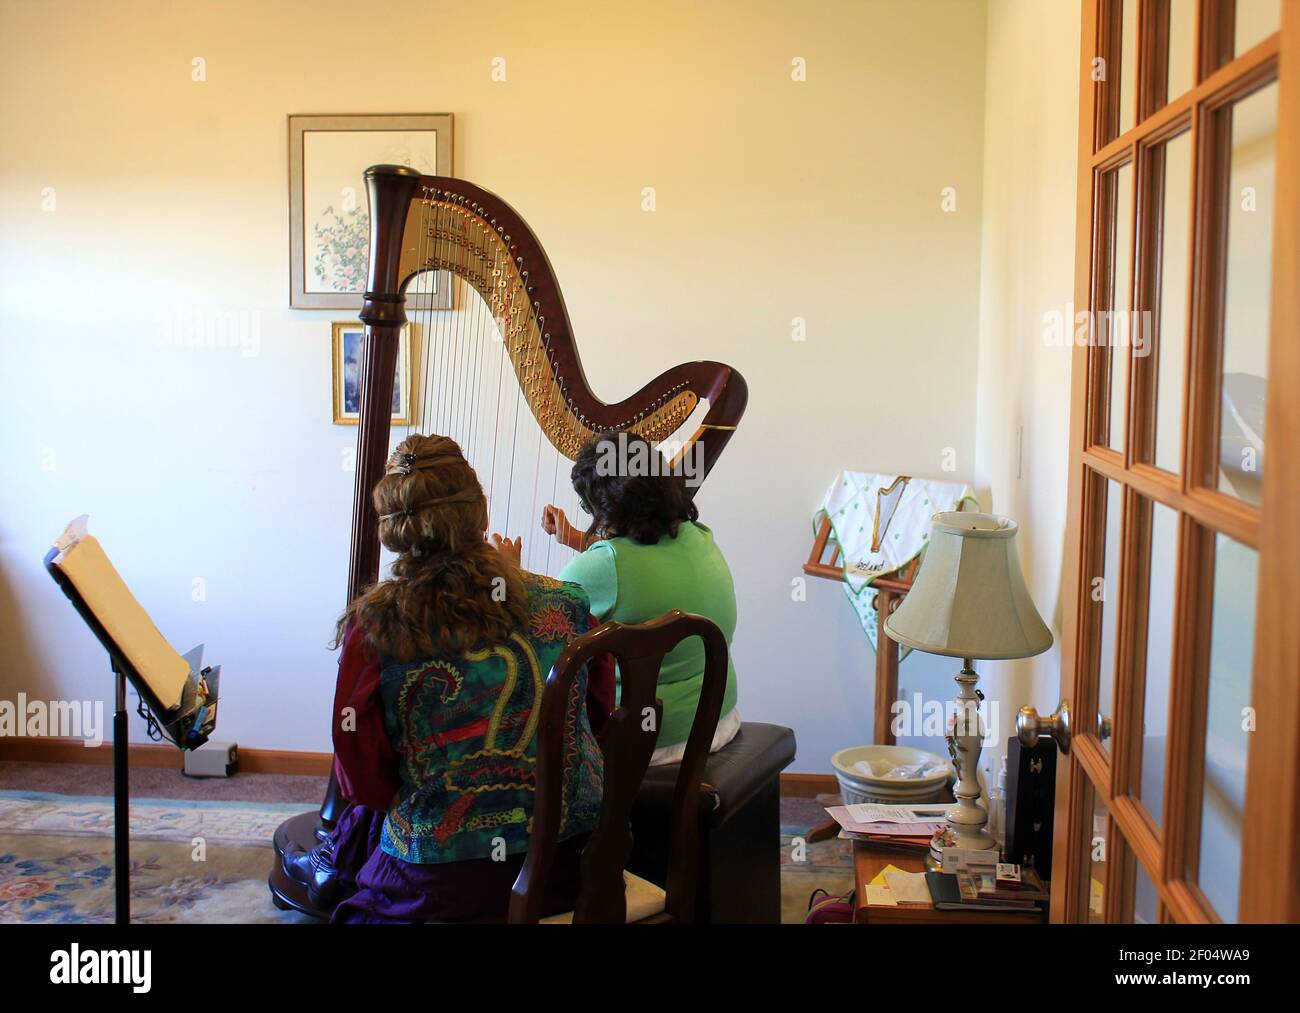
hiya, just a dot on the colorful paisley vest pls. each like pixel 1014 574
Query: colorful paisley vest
pixel 465 731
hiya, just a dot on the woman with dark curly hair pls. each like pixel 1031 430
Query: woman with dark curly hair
pixel 436 710
pixel 645 554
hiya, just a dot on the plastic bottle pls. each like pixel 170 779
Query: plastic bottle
pixel 998 810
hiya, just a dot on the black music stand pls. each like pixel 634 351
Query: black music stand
pixel 122 671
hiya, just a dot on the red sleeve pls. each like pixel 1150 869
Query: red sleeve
pixel 364 760
pixel 600 687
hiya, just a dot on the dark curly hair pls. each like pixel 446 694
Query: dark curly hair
pixel 627 487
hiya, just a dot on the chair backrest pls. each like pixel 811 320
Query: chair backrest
pixel 628 743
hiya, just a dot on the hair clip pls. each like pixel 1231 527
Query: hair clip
pixel 404 465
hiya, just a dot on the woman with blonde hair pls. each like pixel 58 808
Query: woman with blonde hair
pixel 436 709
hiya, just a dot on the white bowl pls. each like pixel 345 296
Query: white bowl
pixel 923 792
pixel 888 757
pixel 853 794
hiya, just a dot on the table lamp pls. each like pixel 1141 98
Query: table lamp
pixel 969 601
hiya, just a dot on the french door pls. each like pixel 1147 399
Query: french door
pixel 1180 799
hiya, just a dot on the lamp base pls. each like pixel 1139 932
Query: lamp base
pixel 981 840
pixel 950 839
pixel 966 823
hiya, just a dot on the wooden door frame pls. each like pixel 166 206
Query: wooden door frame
pixel 1269 846
pixel 1270 881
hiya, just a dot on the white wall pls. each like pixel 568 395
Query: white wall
pixel 776 200
pixel 1026 271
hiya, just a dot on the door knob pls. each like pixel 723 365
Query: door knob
pixel 1056 726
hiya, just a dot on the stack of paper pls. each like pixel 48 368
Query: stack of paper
pixel 907 827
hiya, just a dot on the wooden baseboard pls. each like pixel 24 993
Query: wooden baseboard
pixel 271 761
pixel 794 785
pixel 144 754
pixel 285 761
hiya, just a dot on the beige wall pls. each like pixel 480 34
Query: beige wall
pixel 776 200
pixel 1026 271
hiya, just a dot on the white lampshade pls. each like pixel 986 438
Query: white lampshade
pixel 969 598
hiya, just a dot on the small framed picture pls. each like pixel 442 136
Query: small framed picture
pixel 329 215
pixel 347 373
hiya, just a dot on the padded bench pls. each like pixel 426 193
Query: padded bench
pixel 740 825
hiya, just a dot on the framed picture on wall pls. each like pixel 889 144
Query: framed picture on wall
pixel 329 215
pixel 346 352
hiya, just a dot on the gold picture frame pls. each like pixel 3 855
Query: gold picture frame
pixel 345 354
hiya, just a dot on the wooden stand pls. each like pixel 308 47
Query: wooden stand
pixel 889 590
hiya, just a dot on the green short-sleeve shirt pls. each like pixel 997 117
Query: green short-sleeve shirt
pixel 632 583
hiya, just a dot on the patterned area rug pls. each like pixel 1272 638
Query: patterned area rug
pixel 208 861
pixel 190 861
pixel 805 868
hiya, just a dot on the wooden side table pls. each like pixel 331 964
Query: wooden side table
pixel 867 863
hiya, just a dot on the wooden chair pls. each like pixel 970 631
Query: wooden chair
pixel 607 893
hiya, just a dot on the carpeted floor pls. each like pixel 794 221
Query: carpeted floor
pixel 200 849
pixel 153 782
pixel 201 861
pixel 826 865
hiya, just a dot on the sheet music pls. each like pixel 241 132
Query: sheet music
pixel 106 595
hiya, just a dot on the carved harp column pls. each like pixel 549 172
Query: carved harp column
pixel 383 312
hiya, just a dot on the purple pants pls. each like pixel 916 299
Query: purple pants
pixel 381 888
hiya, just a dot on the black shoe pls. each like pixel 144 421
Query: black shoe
pixel 315 870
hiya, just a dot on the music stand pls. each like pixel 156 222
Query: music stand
pixel 186 725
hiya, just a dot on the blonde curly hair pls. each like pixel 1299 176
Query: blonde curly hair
pixel 449 589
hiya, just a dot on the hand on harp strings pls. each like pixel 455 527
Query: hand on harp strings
pixel 556 524
pixel 511 548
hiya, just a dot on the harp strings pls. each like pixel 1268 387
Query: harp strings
pixel 469 270
pixel 465 390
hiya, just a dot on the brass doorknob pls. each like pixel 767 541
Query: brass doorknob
pixel 1056 726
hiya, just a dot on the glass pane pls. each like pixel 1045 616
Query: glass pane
pixel 1228 718
pixel 1160 654
pixel 1105 593
pixel 1176 233
pixel 1100 827
pixel 1117 321
pixel 1146 902
pixel 1249 260
pixel 1182 47
pixel 1128 66
pixel 1256 21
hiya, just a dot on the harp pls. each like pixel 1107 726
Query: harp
pixel 499 372
pixel 509 327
